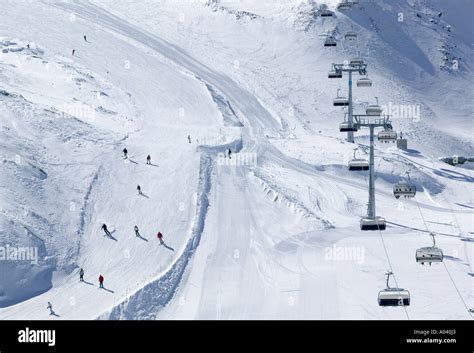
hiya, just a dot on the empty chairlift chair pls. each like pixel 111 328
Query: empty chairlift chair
pixel 330 41
pixel 326 13
pixel 345 126
pixel 351 35
pixel 358 163
pixel 374 109
pixel 376 223
pixel 340 101
pixel 429 254
pixel 344 5
pixel 356 61
pixel 335 74
pixel 404 189
pixel 393 296
pixel 364 82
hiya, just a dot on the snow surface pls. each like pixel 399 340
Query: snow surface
pixel 245 241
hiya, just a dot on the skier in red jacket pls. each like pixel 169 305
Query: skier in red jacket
pixel 101 281
pixel 160 237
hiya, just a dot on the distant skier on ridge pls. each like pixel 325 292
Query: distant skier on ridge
pixel 137 233
pixel 125 153
pixel 139 189
pixel 101 281
pixel 148 159
pixel 81 275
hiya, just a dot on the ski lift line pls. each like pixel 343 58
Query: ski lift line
pixel 388 258
pixel 445 267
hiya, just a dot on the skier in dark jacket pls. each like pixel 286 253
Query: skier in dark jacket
pixel 125 152
pixel 85 38
pixel 137 233
pixel 104 228
pixel 50 308
pixel 81 275
pixel 160 237
pixel 148 159
pixel 73 52
pixel 101 281
pixel 139 189
pixel 189 138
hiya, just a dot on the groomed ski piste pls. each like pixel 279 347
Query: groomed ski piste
pixel 271 233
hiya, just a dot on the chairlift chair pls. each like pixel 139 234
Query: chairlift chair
pixel 374 109
pixel 356 61
pixel 330 41
pixel 351 35
pixel 345 5
pixel 326 13
pixel 340 101
pixel 429 254
pixel 364 82
pixel 358 163
pixel 393 296
pixel 387 136
pixel 346 127
pixel 335 74
pixel 405 189
pixel 376 223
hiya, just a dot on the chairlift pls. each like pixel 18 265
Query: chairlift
pixel 405 189
pixel 340 101
pixel 393 296
pixel 326 13
pixel 346 127
pixel 429 254
pixel 358 163
pixel 374 109
pixel 335 74
pixel 351 35
pixel 345 5
pixel 330 41
pixel 373 223
pixel 356 61
pixel 364 82
pixel 387 136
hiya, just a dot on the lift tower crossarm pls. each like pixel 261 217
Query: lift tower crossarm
pixel 361 69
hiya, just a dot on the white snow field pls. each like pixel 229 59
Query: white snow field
pixel 272 233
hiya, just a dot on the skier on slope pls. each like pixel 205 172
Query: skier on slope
pixel 101 281
pixel 81 275
pixel 189 138
pixel 230 153
pixel 148 159
pixel 50 308
pixel 137 233
pixel 73 52
pixel 139 189
pixel 160 237
pixel 85 38
pixel 125 153
pixel 104 228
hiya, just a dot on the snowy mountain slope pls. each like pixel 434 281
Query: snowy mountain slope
pixel 249 241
